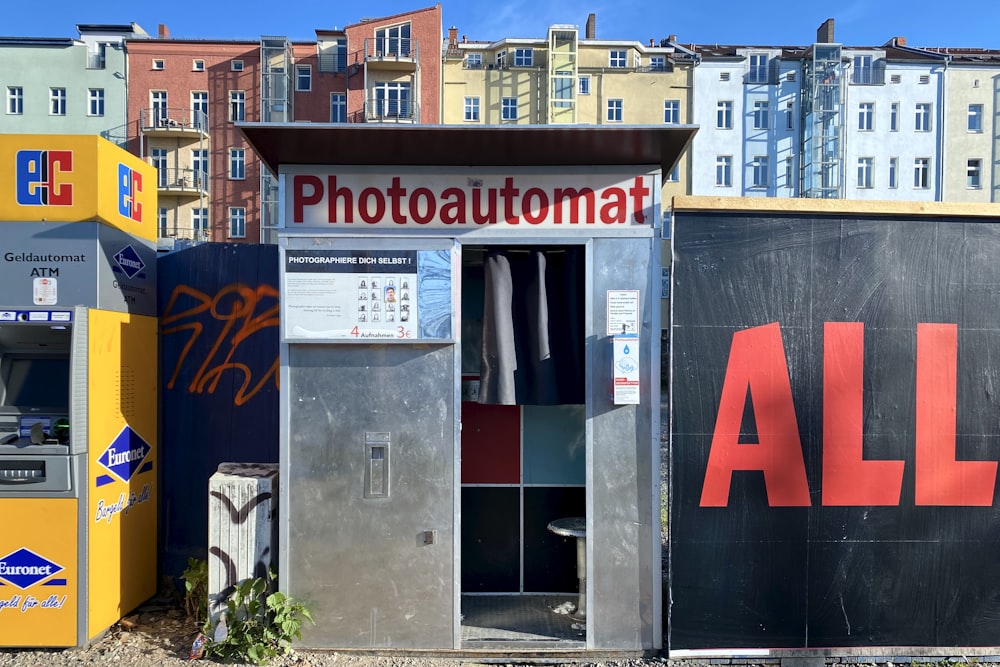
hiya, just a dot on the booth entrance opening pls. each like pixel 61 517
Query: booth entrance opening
pixel 523 443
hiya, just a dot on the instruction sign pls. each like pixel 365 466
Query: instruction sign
pixel 623 312
pixel 350 294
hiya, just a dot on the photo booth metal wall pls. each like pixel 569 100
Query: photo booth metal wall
pixel 834 426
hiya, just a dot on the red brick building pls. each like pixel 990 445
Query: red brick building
pixel 186 98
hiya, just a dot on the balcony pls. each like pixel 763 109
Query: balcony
pixel 390 111
pixel 176 123
pixel 391 53
pixel 189 183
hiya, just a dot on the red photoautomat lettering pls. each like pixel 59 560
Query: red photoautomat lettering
pixel 757 364
pixel 299 198
pixel 849 479
pixel 940 478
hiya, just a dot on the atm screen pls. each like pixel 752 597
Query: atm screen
pixel 41 381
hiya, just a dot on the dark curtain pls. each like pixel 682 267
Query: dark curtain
pixel 533 334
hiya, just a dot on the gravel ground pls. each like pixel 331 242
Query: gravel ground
pixel 160 634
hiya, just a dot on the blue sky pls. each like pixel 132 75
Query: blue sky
pixel 858 22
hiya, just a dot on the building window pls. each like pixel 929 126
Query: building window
pixel 894 117
pixel 237 163
pixel 332 55
pixel 15 100
pixel 199 223
pixel 975 118
pixel 95 102
pixel 236 65
pixel 789 115
pixel 57 101
pixel 161 221
pixel 865 166
pixel 472 109
pixel 338 107
pixel 158 158
pixel 922 118
pixel 562 86
pixel 922 173
pixel 392 100
pixel 508 108
pixel 724 115
pixel 893 173
pixel 789 172
pixel 237 105
pixel 760 115
pixel 864 71
pixel 618 58
pixel 658 63
pixel 303 78
pixel 672 112
pixel 760 170
pixel 474 61
pixel 974 174
pixel 615 108
pixel 724 171
pixel 758 68
pixel 501 59
pixel 199 109
pixel 393 41
pixel 675 174
pixel 585 84
pixel 237 222
pixel 524 57
pixel 198 66
pixel 199 165
pixel 866 116
pixel 158 64
pixel 158 105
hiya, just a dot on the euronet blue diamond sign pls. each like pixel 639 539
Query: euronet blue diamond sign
pixel 24 568
pixel 124 457
pixel 129 262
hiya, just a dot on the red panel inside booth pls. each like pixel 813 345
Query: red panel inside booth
pixel 491 444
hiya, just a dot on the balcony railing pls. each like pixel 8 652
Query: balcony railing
pixel 391 111
pixel 168 119
pixel 391 48
pixel 95 60
pixel 182 181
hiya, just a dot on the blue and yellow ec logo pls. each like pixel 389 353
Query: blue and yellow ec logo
pixel 38 178
pixel 129 188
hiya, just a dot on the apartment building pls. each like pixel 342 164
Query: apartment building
pixel 187 98
pixel 566 78
pixel 65 85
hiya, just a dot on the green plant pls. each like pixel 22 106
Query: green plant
pixel 256 625
pixel 196 589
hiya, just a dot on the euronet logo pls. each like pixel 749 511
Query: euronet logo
pixel 24 568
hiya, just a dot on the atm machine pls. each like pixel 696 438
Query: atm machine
pixel 78 389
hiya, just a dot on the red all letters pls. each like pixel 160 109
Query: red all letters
pixel 757 364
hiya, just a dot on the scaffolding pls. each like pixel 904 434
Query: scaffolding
pixel 823 124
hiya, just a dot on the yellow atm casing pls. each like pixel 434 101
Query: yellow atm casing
pixel 44 612
pixel 121 515
pixel 74 178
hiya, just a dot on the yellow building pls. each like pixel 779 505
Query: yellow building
pixel 565 79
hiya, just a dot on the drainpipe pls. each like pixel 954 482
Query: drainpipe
pixel 942 184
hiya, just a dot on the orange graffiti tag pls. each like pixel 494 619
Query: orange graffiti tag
pixel 236 306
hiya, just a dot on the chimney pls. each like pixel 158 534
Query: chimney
pixel 825 33
pixel 899 41
pixel 452 36
pixel 465 39
pixel 651 43
pixel 163 32
pixel 591 26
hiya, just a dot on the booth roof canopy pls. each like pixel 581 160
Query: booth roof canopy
pixel 280 144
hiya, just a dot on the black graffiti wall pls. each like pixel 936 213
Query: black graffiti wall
pixel 835 432
pixel 218 307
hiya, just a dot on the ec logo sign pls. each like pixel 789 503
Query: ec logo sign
pixel 38 182
pixel 129 188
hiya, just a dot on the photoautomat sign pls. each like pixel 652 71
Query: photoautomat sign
pixel 514 200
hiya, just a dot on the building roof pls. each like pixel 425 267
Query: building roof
pixel 280 144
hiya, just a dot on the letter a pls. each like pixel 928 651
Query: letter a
pixel 757 363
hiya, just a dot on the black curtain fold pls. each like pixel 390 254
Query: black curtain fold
pixel 533 334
